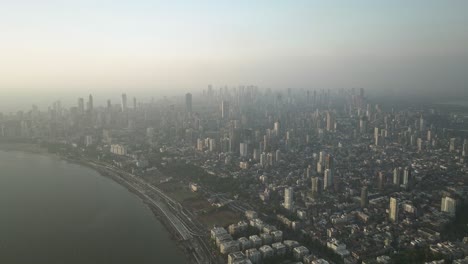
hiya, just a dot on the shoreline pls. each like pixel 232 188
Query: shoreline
pixel 25 147
pixel 33 148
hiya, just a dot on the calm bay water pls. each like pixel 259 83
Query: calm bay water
pixel 52 211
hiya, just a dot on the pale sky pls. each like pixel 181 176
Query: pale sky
pixel 67 48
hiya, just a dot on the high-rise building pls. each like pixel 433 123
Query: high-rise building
pixel 308 172
pixel 90 103
pixel 263 159
pixel 397 176
pixel 420 144
pixel 134 103
pixel 376 136
pixel 288 198
pixel 322 156
pixel 256 154
pixel 243 151
pixel 88 140
pixel 188 103
pixel 277 128
pixel 381 180
pixel 422 124
pixel 452 144
pixel 407 177
pixel 225 109
pixel 234 140
pixel 448 205
pixel 363 125
pixel 465 148
pixel 330 121
pixel 212 144
pixel 330 165
pixel 81 107
pixel 364 197
pixel 124 103
pixel 327 179
pixel 315 186
pixel 319 167
pixel 393 214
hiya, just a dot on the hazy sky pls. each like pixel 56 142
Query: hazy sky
pixel 102 46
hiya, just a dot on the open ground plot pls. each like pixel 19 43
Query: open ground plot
pixel 178 191
pixel 220 217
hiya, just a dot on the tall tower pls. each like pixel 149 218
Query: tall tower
pixel 327 179
pixel 465 148
pixel 452 144
pixel 397 176
pixel 393 215
pixel 81 108
pixel 330 165
pixel 124 102
pixel 90 103
pixel 288 198
pixel 276 128
pixel 363 125
pixel 330 121
pixel 381 180
pixel 188 103
pixel 315 186
pixel 376 136
pixel 224 109
pixel 407 177
pixel 448 205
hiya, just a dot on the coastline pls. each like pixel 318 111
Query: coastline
pixel 24 147
pixel 33 148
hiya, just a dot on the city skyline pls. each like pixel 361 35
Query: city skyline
pixel 234 132
pixel 152 48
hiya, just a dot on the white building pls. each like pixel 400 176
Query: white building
pixel 243 150
pixel 289 198
pixel 448 205
pixel 118 149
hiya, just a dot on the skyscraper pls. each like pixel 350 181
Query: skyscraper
pixel 124 103
pixel 288 198
pixel 330 121
pixel 90 103
pixel 376 136
pixel 407 177
pixel 276 127
pixel 465 148
pixel 81 107
pixel 315 186
pixel 243 149
pixel 397 176
pixel 327 179
pixel 393 214
pixel 448 205
pixel 363 125
pixel 452 144
pixel 188 103
pixel 381 180
pixel 224 109
pixel 330 165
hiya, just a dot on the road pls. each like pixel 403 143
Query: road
pixel 187 229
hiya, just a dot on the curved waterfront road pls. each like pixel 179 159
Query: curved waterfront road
pixel 173 211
